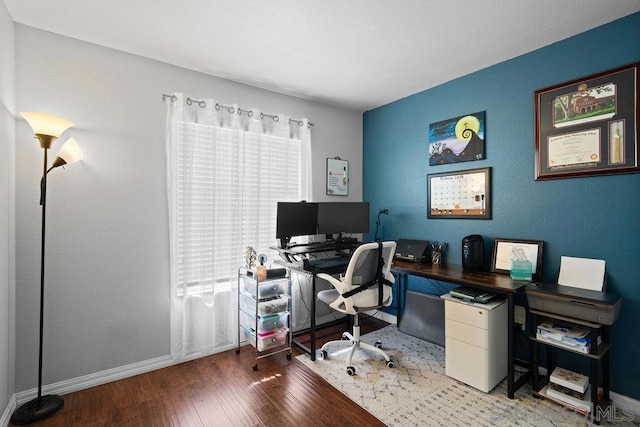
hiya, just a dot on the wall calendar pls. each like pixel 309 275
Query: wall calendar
pixel 460 194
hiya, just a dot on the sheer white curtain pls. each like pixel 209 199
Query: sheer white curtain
pixel 226 168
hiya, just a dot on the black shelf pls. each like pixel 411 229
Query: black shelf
pixel 599 354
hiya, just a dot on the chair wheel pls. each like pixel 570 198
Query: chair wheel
pixel 255 367
pixel 351 370
pixel 378 344
pixel 344 337
pixel 324 354
pixel 390 364
pixel 288 356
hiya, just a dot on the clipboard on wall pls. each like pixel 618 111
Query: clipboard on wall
pixel 337 177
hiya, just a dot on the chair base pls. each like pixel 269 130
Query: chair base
pixel 352 341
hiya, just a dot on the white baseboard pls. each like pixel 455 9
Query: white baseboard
pixel 627 404
pixel 379 314
pixel 98 378
pixel 107 376
pixel 4 421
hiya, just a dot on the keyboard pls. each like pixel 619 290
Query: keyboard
pixel 328 263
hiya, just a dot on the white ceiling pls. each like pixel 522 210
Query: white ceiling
pixel 359 54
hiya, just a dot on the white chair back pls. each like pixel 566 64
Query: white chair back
pixel 362 269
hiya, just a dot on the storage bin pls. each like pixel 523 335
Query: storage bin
pixel 264 323
pixel 270 306
pixel 267 340
pixel 266 289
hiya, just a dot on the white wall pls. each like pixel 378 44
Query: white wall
pixel 107 296
pixel 7 208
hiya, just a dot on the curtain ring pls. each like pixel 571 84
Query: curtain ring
pixel 229 108
pixel 201 104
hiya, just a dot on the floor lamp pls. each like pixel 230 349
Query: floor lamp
pixel 47 129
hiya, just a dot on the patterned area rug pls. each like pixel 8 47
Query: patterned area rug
pixel 416 391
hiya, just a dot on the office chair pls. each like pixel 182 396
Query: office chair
pixel 366 285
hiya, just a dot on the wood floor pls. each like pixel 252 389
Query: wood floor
pixel 220 390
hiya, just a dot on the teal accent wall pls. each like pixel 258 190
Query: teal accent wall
pixel 589 217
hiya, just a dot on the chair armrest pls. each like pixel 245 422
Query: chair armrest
pixel 342 304
pixel 338 284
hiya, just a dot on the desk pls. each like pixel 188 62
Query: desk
pixel 493 282
pixel 297 259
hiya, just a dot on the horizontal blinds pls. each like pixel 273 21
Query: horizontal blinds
pixel 229 183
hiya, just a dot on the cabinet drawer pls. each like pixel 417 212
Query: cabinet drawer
pixel 267 340
pixel 266 289
pixel 477 337
pixel 465 313
pixel 264 323
pixel 265 308
pixel 467 363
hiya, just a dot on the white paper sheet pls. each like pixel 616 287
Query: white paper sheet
pixel 582 273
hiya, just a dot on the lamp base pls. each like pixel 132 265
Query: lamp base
pixel 37 409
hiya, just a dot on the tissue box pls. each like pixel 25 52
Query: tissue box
pixel 520 270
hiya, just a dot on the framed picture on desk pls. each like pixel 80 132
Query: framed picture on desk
pixel 506 250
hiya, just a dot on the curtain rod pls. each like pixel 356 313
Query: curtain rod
pixel 231 109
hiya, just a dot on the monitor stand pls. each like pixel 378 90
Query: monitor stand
pixel 340 239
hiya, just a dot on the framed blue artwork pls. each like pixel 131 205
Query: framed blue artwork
pixel 460 139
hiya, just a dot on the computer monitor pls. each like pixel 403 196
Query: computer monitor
pixel 296 219
pixel 343 217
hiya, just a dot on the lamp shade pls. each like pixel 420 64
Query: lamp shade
pixel 70 151
pixel 46 124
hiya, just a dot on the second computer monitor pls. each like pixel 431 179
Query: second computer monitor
pixel 343 217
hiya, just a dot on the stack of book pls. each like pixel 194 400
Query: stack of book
pixel 571 388
pixel 566 335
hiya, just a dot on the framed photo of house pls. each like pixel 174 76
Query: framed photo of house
pixel 507 250
pixel 588 126
pixel 460 194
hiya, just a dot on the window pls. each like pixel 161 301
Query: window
pixel 229 183
pixel 225 173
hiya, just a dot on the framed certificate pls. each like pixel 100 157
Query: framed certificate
pixel 588 126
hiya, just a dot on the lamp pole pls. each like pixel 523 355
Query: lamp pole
pixel 42 406
pixel 45 406
pixel 43 202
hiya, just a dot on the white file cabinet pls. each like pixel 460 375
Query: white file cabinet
pixel 475 342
